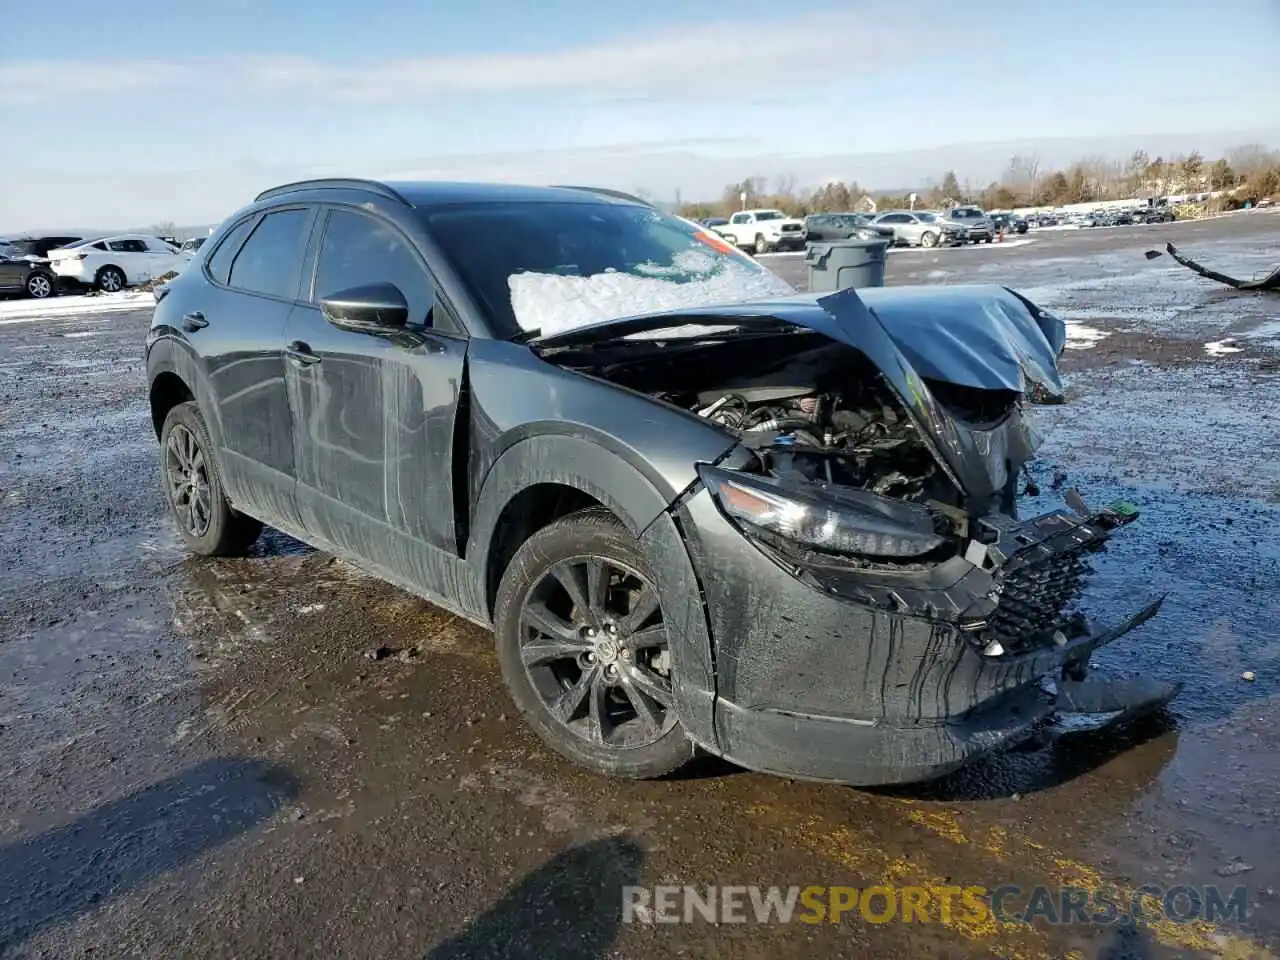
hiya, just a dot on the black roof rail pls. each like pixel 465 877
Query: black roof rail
pixel 605 191
pixel 334 183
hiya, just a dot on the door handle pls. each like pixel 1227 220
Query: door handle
pixel 194 321
pixel 301 353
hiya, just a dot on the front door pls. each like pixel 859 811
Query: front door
pixel 374 414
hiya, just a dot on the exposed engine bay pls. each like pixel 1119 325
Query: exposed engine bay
pixel 864 441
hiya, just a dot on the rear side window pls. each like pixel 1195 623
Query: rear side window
pixel 359 250
pixel 271 259
pixel 220 262
pixel 127 246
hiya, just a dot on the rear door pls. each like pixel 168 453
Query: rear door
pixel 13 272
pixel 374 414
pixel 238 331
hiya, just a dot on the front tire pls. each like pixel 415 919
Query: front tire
pixel 761 245
pixel 584 651
pixel 111 280
pixel 39 286
pixel 193 488
pixel 928 239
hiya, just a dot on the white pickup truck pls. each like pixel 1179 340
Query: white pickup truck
pixel 763 230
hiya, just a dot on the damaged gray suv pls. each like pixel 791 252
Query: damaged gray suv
pixel 696 508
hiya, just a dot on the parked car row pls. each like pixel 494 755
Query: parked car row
pixel 41 266
pixel 764 230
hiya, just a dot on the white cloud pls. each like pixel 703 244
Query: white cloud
pixel 708 60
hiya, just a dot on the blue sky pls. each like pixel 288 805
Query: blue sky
pixel 138 110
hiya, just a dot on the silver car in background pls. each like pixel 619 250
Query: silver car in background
pixel 919 228
pixel 975 220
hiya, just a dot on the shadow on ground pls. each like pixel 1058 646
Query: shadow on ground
pixel 56 876
pixel 1146 745
pixel 569 909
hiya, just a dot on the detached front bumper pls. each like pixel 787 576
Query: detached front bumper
pixel 870 677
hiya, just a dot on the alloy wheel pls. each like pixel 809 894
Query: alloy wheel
pixel 187 479
pixel 39 287
pixel 112 281
pixel 595 649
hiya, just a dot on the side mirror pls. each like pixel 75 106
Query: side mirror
pixel 374 308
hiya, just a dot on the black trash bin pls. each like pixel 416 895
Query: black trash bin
pixel 841 264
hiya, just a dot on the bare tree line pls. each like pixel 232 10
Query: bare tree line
pixel 1251 172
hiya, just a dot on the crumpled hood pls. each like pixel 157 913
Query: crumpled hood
pixel 984 337
pixel 981 336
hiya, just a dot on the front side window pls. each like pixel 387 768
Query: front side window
pixel 560 265
pixel 271 259
pixel 359 250
pixel 741 218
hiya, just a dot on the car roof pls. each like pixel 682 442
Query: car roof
pixel 425 194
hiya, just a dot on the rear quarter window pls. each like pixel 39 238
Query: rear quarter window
pixel 270 262
pixel 219 265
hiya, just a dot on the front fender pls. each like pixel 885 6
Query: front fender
pixel 604 475
pixel 569 461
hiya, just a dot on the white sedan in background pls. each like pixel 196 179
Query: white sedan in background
pixel 113 263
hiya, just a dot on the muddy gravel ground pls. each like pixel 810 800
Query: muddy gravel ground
pixel 197 759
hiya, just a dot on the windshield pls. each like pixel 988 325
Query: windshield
pixel 558 266
pixel 926 217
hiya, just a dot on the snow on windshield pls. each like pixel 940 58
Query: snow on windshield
pixel 553 304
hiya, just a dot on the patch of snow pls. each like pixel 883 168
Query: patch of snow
pixel 1220 348
pixel 1080 337
pixel 994 244
pixel 29 311
pixel 81 333
pixel 554 304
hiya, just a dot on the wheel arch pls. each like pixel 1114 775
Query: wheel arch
pixel 540 479
pixel 543 478
pixel 97 274
pixel 168 390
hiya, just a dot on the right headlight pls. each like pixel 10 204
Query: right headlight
pixel 844 521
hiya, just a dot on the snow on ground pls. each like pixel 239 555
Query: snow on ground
pixel 1081 337
pixel 29 311
pixel 1219 348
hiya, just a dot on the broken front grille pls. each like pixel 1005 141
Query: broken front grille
pixel 1036 600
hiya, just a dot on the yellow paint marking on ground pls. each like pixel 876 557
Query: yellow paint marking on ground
pixel 863 855
pixel 1062 871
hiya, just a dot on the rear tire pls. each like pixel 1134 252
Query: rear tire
pixel 206 521
pixel 110 280
pixel 584 652
pixel 40 286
